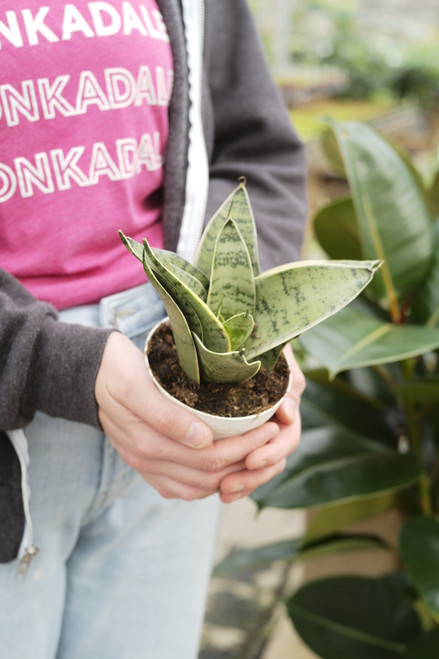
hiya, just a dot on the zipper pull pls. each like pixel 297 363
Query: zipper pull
pixel 29 553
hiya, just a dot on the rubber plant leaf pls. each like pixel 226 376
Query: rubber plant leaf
pixel 232 284
pixel 295 549
pixel 347 617
pixel 293 298
pixel 419 545
pixel 392 214
pixel 335 227
pixel 425 304
pixel 335 465
pixel 353 339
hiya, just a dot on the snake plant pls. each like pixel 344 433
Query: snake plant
pixel 228 319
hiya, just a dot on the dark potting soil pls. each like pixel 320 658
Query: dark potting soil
pixel 242 399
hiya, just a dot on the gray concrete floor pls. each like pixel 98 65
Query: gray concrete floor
pixel 244 618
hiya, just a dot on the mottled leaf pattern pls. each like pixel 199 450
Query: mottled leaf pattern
pixel 232 285
pixel 198 315
pixel 189 274
pixel 224 366
pixel 176 262
pixel 133 246
pixel 186 350
pixel 293 298
pixel 238 206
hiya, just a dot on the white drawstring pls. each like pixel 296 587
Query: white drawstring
pixel 197 177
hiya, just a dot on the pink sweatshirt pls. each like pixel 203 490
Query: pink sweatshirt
pixel 84 95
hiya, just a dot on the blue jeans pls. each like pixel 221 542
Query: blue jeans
pixel 122 573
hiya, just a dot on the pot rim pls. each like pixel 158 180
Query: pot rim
pixel 268 412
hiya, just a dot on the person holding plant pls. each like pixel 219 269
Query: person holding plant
pixel 141 115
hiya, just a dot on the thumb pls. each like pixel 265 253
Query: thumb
pixel 125 388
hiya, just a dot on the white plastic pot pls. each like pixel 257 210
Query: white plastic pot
pixel 221 426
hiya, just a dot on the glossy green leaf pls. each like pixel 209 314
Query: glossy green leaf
pixel 335 227
pixel 425 303
pixel 424 647
pixel 420 391
pixel 295 297
pixel 433 196
pixel 224 366
pixel 352 339
pixel 259 557
pixel 232 285
pixel 237 205
pixel 352 617
pixel 392 215
pixel 186 350
pixel 239 328
pixel 332 465
pixel 199 317
pixel 332 152
pixel 295 549
pixel 335 517
pixel 342 406
pixel 419 545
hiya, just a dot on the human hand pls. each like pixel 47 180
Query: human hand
pixel 265 462
pixel 168 446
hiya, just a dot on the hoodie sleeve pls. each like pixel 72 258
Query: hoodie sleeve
pixel 45 365
pixel 253 135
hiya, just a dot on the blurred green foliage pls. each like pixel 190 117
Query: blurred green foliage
pixel 380 48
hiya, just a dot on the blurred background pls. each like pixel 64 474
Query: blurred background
pixel 356 59
pixel 368 60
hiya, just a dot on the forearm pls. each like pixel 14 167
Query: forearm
pixel 45 365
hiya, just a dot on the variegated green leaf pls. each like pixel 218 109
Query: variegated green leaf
pixel 270 357
pixel 237 205
pixel 239 328
pixel 224 366
pixel 186 350
pixel 182 269
pixel 177 263
pixel 293 298
pixel 232 284
pixel 198 315
pixel 132 245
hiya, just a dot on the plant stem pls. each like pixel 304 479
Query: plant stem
pixel 385 375
pixel 414 436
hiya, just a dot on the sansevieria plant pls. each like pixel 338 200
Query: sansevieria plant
pixel 228 319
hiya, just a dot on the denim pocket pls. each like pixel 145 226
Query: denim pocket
pixel 133 312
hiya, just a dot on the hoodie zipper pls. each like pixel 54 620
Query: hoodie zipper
pixel 19 442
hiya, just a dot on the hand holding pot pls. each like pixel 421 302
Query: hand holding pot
pixel 265 462
pixel 168 446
